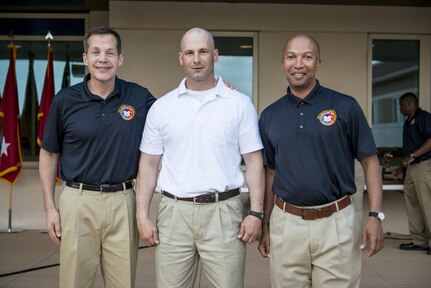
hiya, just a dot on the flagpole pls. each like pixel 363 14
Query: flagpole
pixel 9 226
pixel 9 172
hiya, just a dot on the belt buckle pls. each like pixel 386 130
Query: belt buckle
pixel 195 200
pixel 303 214
pixel 209 197
pixel 102 187
pixel 308 216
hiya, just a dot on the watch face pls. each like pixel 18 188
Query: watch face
pixel 381 216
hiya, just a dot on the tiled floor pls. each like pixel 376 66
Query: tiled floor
pixel 391 268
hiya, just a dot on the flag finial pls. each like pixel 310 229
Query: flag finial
pixel 11 38
pixel 49 37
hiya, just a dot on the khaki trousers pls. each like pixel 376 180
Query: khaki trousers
pixel 314 253
pixel 417 195
pixel 189 232
pixel 98 228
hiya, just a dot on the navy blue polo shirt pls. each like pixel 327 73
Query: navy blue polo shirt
pixel 311 144
pixel 97 139
pixel 415 132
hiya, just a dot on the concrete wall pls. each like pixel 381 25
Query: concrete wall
pixel 151 32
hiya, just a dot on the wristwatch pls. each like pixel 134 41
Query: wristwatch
pixel 378 215
pixel 412 155
pixel 259 215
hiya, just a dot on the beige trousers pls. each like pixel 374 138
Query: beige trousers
pixel 189 232
pixel 417 195
pixel 98 228
pixel 314 253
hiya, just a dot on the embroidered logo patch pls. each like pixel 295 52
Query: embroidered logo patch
pixel 127 112
pixel 327 117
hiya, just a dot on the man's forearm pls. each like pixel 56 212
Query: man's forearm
pixel 424 148
pixel 373 181
pixel 269 194
pixel 255 179
pixel 47 173
pixel 146 183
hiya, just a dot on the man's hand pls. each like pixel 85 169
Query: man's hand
pixel 373 231
pixel 230 85
pixel 249 229
pixel 53 225
pixel 264 247
pixel 397 172
pixel 147 230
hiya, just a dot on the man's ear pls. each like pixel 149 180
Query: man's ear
pixel 215 55
pixel 180 58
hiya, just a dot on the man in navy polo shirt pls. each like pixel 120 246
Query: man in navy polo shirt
pixel 311 137
pixel 94 128
pixel 417 162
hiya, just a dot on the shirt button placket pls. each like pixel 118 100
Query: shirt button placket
pixel 301 114
pixel 103 109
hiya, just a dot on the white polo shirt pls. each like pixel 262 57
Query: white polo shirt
pixel 201 141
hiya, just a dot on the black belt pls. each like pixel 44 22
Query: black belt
pixel 102 187
pixel 206 198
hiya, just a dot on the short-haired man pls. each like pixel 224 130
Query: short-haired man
pixel 311 137
pixel 94 128
pixel 202 129
pixel 417 181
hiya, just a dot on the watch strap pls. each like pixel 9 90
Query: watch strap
pixel 259 215
pixel 376 214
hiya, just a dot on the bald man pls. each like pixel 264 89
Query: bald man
pixel 201 131
pixel 311 137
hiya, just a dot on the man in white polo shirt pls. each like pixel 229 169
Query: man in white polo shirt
pixel 202 129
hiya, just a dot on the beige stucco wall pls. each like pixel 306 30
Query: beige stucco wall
pixel 151 32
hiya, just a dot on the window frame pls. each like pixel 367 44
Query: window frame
pixel 253 35
pixel 34 164
pixel 424 68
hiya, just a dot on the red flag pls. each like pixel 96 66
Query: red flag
pixel 10 157
pixel 48 93
pixel 47 96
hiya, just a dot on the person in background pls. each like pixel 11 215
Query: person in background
pixel 94 129
pixel 417 180
pixel 311 137
pixel 200 131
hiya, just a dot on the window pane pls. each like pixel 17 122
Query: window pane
pixel 38 51
pixel 395 71
pixel 235 62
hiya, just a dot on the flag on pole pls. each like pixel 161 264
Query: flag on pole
pixel 47 96
pixel 48 93
pixel 29 114
pixel 66 73
pixel 10 157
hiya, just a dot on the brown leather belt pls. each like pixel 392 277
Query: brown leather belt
pixel 206 198
pixel 313 213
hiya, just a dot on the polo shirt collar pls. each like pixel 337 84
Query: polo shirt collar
pixel 310 99
pixel 90 96
pixel 417 112
pixel 221 89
